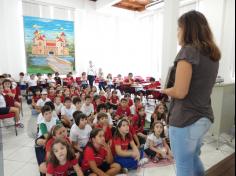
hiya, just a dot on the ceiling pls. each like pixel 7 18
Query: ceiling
pixel 134 5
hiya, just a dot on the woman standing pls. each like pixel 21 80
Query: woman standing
pixel 91 74
pixel 196 67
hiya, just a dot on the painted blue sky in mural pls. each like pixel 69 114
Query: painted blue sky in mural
pixel 49 27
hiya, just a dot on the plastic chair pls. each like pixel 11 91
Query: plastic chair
pixel 8 116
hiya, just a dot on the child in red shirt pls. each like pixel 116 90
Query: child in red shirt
pixel 61 159
pixel 98 159
pixel 114 100
pixel 57 131
pixel 36 97
pixel 123 109
pixel 130 101
pixel 51 93
pixel 138 123
pixel 103 124
pixel 127 158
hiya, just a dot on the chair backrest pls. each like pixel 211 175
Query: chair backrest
pixel 7 116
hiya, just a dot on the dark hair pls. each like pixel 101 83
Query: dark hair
pixel 78 115
pixel 101 106
pixel 49 74
pixel 136 99
pixel 56 73
pixel 152 79
pixel 76 100
pixel 117 132
pixel 39 74
pixel 101 114
pixel 93 134
pixel 70 152
pixel 139 121
pixel 22 74
pixel 53 131
pixel 67 99
pixel 197 32
pixel 123 99
pixel 6 80
pixel 159 116
pixel 87 96
pixel 51 104
pixel 154 124
pixel 96 97
pixel 127 95
pixel 46 108
pixel 83 73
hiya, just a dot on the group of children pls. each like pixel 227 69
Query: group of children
pixel 84 131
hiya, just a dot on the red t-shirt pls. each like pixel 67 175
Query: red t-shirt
pixel 114 100
pixel 123 143
pixel 90 155
pixel 36 98
pixel 137 128
pixel 130 103
pixel 9 99
pixel 120 111
pixel 103 99
pixel 61 170
pixel 107 132
pixel 51 97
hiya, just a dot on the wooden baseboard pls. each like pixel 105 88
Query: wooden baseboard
pixel 224 168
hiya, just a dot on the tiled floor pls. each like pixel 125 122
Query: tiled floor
pixel 19 156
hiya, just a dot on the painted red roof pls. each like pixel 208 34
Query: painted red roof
pixel 63 34
pixel 50 44
pixel 60 40
pixel 40 38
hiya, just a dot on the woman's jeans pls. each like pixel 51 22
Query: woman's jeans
pixel 186 144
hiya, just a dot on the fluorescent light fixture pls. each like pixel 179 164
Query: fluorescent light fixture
pixel 155 4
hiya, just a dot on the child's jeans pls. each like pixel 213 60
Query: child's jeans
pixel 128 162
pixel 186 144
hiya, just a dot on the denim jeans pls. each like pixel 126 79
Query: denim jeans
pixel 186 145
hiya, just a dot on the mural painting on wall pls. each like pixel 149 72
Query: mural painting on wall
pixel 49 45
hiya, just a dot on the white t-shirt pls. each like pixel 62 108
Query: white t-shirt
pixel 87 110
pixel 68 112
pixel 91 71
pixel 32 82
pixel 41 102
pixel 110 121
pixel 158 142
pixel 81 136
pixel 48 124
pixel 2 101
pixel 58 108
pixel 40 118
pixel 133 110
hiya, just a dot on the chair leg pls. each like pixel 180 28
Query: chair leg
pixel 21 109
pixel 15 126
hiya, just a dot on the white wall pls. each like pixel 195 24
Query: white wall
pixel 221 17
pixel 12 51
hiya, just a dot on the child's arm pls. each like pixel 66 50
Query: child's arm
pixel 48 174
pixel 169 153
pixel 95 169
pixel 123 153
pixel 151 146
pixel 109 157
pixel 136 140
pixel 76 146
pixel 135 150
pixel 78 170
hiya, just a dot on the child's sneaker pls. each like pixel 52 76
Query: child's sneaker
pixel 125 171
pixel 155 160
pixel 20 125
pixel 143 161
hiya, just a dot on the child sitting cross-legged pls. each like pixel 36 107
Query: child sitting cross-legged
pixel 104 124
pixel 45 125
pixel 156 147
pixel 61 159
pixel 80 131
pixel 98 159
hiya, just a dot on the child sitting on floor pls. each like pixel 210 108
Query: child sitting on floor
pixel 156 147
